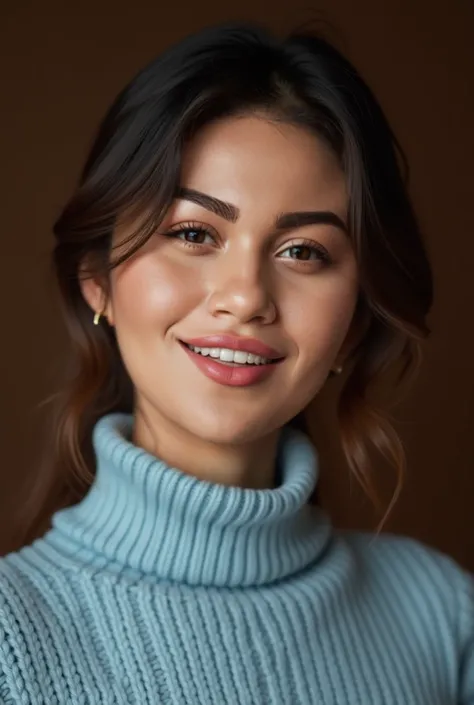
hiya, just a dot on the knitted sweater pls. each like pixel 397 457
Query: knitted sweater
pixel 161 589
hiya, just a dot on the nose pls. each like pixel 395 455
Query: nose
pixel 241 290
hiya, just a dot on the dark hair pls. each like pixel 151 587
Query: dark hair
pixel 134 167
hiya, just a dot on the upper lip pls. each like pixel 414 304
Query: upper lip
pixel 233 342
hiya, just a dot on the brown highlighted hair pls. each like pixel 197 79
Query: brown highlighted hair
pixel 134 166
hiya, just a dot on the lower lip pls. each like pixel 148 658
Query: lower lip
pixel 231 376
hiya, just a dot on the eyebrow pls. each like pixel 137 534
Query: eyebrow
pixel 283 221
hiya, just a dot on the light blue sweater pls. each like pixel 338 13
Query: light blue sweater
pixel 161 589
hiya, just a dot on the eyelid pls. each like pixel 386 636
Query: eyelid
pixel 190 225
pixel 304 242
pixel 295 241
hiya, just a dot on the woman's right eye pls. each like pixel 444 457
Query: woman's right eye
pixel 190 235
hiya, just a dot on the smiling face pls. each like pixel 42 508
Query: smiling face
pixel 244 269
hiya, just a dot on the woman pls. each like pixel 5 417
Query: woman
pixel 240 232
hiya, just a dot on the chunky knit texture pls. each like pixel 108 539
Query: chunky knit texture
pixel 161 589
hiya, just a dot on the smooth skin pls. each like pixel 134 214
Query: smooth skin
pixel 241 277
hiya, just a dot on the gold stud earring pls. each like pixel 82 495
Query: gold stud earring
pixel 97 316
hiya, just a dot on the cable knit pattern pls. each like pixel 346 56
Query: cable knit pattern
pixel 162 589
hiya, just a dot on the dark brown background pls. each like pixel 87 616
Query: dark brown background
pixel 61 65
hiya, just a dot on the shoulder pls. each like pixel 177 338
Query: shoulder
pixel 14 610
pixel 27 592
pixel 420 563
pixel 429 583
pixel 393 552
pixel 428 595
pixel 18 596
pixel 15 581
pixel 28 611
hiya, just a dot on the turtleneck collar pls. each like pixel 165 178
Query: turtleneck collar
pixel 155 520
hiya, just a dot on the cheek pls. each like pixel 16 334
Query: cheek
pixel 319 326
pixel 152 294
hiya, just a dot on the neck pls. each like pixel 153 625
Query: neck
pixel 248 464
pixel 145 518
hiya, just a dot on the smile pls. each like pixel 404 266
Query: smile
pixel 234 368
pixel 239 357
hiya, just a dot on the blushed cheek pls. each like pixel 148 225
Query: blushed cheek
pixel 150 297
pixel 318 340
pixel 322 329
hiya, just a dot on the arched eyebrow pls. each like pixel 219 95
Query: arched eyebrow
pixel 284 221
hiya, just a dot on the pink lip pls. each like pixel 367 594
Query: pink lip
pixel 226 374
pixel 233 342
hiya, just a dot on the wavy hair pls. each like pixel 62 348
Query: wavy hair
pixel 134 166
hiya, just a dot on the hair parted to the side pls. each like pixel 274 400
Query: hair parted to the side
pixel 134 167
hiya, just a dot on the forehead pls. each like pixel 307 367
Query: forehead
pixel 252 156
pixel 263 168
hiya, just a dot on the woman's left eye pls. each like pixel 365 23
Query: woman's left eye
pixel 307 251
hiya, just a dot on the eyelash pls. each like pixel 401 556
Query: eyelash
pixel 323 254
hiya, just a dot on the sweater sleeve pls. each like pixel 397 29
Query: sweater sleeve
pixel 466 617
pixel 5 653
pixel 4 697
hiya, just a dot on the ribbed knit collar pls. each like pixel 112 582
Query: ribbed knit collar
pixel 145 516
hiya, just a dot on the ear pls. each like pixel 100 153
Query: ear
pixel 95 294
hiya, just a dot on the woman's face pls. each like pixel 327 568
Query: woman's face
pixel 231 270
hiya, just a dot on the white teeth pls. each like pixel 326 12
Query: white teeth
pixel 227 355
pixel 241 356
